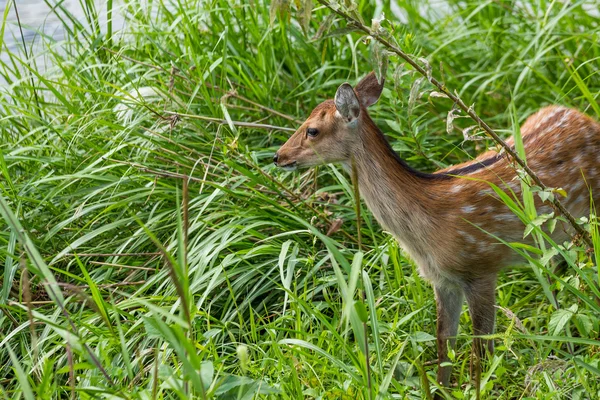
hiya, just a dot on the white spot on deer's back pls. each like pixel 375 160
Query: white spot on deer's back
pixel 564 119
pixel 578 159
pixel 468 237
pixel 505 217
pixel 468 209
pixel 557 147
pixel 551 114
pixel 486 247
pixel 457 188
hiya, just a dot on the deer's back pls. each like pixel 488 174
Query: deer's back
pixel 562 146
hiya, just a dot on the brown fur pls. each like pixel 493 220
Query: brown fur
pixel 441 219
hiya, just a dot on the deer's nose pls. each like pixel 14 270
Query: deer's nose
pixel 275 157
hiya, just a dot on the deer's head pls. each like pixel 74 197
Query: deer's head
pixel 331 132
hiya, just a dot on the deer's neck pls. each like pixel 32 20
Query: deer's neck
pixel 404 201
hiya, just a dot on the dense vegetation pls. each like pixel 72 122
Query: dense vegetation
pixel 152 250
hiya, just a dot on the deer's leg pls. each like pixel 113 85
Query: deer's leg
pixel 481 297
pixel 449 299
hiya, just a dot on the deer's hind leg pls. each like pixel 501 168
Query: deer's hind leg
pixel 481 298
pixel 449 300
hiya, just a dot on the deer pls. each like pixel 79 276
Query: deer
pixel 450 222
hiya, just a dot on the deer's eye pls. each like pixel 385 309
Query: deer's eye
pixel 312 132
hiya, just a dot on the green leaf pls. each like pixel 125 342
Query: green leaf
pixel 361 310
pixel 22 377
pixel 151 327
pixel 548 254
pixel 422 337
pixel 559 320
pixel 207 371
pixel 551 224
pixel 584 324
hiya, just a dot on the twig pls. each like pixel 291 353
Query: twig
pixel 165 174
pixel 121 266
pixel 236 123
pixel 69 286
pixel 468 110
pixel 112 254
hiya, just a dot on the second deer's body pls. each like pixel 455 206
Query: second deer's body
pixel 449 222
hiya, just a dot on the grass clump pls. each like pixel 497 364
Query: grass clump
pixel 151 250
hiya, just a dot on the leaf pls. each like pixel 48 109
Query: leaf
pixel 438 94
pixel 584 324
pixel 414 91
pixel 336 32
pixel 422 337
pixel 408 317
pixel 450 119
pixel 304 13
pixel 558 320
pixel 467 133
pixel 336 224
pixel 551 224
pixel 152 329
pixel 379 60
pixel 528 230
pixel 561 191
pixel 376 23
pixel 427 67
pixel 273 10
pixel 336 361
pixel 546 195
pixel 325 26
pixel 22 376
pixel 361 310
pixel 548 254
pixel 279 7
pixel 207 371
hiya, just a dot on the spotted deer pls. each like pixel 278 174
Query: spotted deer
pixel 450 223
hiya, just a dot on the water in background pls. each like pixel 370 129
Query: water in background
pixel 38 19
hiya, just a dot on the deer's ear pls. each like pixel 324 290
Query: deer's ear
pixel 369 89
pixel 347 103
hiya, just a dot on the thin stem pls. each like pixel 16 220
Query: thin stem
pixel 237 123
pixel 358 219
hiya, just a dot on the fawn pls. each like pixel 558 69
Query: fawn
pixel 441 219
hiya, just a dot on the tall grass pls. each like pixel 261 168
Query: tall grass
pixel 151 250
